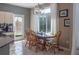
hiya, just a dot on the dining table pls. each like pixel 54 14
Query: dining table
pixel 44 37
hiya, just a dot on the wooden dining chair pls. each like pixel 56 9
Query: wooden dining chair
pixel 54 45
pixel 57 39
pixel 33 41
pixel 27 36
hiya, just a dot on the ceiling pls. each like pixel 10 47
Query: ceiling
pixel 25 5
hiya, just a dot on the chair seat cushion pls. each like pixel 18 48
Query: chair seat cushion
pixel 51 42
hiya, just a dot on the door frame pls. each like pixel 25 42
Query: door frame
pixel 18 15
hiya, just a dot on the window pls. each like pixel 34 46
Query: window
pixel 45 21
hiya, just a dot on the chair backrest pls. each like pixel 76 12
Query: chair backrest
pixel 27 34
pixel 58 37
pixel 33 39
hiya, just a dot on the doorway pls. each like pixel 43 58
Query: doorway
pixel 19 27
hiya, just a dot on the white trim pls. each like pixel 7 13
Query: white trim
pixel 75 29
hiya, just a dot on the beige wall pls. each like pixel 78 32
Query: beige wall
pixel 66 36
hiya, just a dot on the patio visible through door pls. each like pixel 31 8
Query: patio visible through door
pixel 19 26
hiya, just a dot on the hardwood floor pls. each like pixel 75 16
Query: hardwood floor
pixel 18 48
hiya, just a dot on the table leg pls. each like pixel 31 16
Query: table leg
pixel 44 43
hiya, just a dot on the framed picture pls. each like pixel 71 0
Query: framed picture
pixel 66 22
pixel 63 13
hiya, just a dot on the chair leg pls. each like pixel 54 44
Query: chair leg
pixel 25 44
pixel 29 46
pixel 36 48
pixel 54 50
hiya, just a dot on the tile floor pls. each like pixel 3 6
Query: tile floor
pixel 18 48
